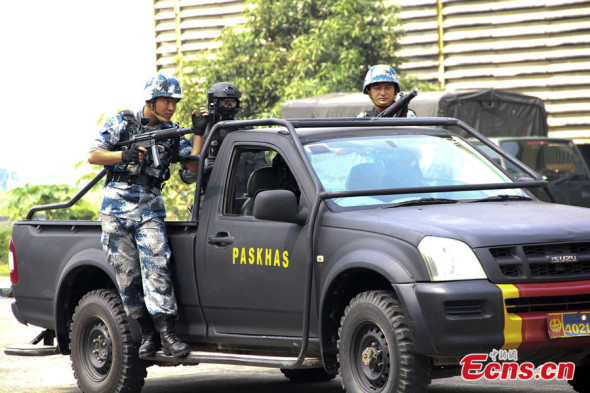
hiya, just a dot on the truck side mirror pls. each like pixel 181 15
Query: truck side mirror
pixel 279 205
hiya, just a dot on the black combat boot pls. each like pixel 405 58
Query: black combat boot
pixel 149 337
pixel 171 344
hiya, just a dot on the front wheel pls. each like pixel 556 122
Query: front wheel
pixel 104 355
pixel 375 349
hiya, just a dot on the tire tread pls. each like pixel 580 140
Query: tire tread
pixel 414 369
pixel 133 371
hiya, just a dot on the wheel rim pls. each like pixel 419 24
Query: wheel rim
pixel 370 357
pixel 96 350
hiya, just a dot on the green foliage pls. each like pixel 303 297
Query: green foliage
pixel 86 178
pixel 5 234
pixel 178 196
pixel 291 49
pixel 24 198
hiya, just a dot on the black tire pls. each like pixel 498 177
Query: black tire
pixel 307 375
pixel 581 381
pixel 375 349
pixel 104 355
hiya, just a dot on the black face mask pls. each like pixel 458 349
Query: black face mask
pixel 227 113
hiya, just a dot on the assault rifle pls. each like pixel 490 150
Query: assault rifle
pixel 399 106
pixel 149 139
pixel 145 138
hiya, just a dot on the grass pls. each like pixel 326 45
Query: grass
pixel 4 270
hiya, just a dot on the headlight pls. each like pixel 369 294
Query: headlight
pixel 450 259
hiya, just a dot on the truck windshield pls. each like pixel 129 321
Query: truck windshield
pixel 400 161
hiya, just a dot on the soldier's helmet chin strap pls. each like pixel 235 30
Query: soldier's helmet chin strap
pixel 153 109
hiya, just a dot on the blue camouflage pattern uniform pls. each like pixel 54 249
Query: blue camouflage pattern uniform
pixel 133 229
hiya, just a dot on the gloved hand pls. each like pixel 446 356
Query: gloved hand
pixel 199 123
pixel 208 166
pixel 133 154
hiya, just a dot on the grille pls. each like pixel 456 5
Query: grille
pixel 556 249
pixel 501 252
pixel 561 269
pixel 511 270
pixel 548 304
pixel 535 261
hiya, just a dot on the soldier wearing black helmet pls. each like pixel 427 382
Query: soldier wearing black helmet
pixel 223 103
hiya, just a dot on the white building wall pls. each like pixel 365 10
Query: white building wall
pixel 540 48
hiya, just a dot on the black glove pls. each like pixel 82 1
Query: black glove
pixel 209 162
pixel 199 124
pixel 131 154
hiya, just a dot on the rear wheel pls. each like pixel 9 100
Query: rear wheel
pixel 305 375
pixel 103 353
pixel 375 348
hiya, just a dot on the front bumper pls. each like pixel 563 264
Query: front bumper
pixel 453 319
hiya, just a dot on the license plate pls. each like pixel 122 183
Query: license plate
pixel 569 324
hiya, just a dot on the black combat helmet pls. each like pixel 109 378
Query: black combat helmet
pixel 221 91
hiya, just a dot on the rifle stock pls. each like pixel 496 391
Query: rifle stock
pixel 398 105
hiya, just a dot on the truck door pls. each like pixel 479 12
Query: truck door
pixel 253 271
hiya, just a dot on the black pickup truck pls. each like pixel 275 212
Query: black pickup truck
pixel 382 250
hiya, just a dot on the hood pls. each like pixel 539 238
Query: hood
pixel 479 224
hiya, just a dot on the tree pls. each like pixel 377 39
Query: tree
pixel 291 49
pixel 24 198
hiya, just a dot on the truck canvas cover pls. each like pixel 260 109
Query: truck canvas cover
pixel 492 112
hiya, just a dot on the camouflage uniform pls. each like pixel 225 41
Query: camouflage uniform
pixel 134 233
pixel 373 113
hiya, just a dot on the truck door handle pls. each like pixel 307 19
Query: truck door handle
pixel 221 239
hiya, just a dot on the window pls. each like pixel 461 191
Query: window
pixel 401 161
pixel 255 169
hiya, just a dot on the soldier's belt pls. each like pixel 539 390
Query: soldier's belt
pixel 141 180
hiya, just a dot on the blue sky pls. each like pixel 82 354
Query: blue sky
pixel 64 64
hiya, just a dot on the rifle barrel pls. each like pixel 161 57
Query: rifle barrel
pixel 156 135
pixel 398 105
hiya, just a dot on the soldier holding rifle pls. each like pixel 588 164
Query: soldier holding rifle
pixel 382 85
pixel 132 211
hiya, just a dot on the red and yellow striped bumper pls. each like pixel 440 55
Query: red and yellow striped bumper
pixel 527 329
